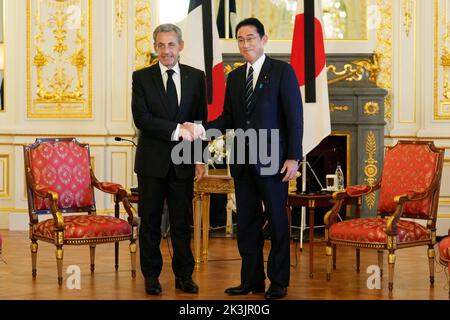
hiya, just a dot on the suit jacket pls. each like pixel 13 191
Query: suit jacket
pixel 150 113
pixel 276 104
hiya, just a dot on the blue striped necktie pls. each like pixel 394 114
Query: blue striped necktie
pixel 249 90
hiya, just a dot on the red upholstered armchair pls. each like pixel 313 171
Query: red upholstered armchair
pixel 444 256
pixel 59 181
pixel 408 188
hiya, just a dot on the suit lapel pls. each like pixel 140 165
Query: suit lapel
pixel 159 85
pixel 263 80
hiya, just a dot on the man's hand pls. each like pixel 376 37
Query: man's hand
pixel 195 130
pixel 200 170
pixel 185 133
pixel 290 167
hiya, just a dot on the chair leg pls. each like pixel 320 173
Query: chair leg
pixel 92 254
pixel 133 258
pixel 34 249
pixel 358 260
pixel 391 264
pixel 380 262
pixel 334 256
pixel 329 253
pixel 431 256
pixel 59 263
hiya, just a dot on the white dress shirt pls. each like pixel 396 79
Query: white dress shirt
pixel 257 66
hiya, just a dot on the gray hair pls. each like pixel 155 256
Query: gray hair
pixel 168 27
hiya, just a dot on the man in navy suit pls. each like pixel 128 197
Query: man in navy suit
pixel 263 94
pixel 165 96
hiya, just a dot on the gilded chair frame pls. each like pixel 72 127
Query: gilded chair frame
pixel 391 245
pixel 120 194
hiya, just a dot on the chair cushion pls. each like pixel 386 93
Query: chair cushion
pixel 407 167
pixel 63 167
pixel 444 249
pixel 373 230
pixel 86 226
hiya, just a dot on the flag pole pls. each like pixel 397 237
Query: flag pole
pixel 303 210
pixel 227 19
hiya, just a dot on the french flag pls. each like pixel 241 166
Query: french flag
pixel 202 51
pixel 308 61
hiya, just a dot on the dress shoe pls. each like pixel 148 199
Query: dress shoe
pixel 152 286
pixel 246 289
pixel 186 284
pixel 275 292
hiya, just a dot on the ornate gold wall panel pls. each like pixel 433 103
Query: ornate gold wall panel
pixel 4 175
pixel 143 34
pixel 59 72
pixel 441 60
pixel 371 170
pixel 384 49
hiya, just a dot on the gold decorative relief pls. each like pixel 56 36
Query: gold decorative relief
pixel 143 36
pixel 59 59
pixel 348 73
pixel 371 170
pixel 354 71
pixel 371 108
pixel 230 68
pixel 120 17
pixel 408 6
pixel 384 52
pixel 442 62
pixel 335 108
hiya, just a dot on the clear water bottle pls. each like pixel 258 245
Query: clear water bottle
pixel 339 177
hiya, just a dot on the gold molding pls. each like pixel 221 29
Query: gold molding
pixel 371 170
pixel 127 172
pixel 407 16
pixel 443 61
pixel 371 108
pixel 120 20
pixel 385 52
pixel 348 136
pixel 4 191
pixel 63 94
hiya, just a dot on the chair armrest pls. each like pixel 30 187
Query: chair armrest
pixel 359 190
pixel 400 200
pixel 339 198
pixel 45 192
pixel 108 187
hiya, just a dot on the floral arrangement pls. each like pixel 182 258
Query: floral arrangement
pixel 220 148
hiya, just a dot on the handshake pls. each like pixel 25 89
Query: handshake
pixel 191 131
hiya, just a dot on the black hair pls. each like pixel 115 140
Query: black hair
pixel 252 22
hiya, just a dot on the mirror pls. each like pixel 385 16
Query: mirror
pixel 2 57
pixel 343 19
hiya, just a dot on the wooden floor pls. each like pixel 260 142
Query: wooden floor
pixel 223 269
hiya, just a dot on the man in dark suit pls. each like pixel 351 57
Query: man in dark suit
pixel 165 96
pixel 263 94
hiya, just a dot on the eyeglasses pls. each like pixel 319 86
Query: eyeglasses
pixel 249 40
